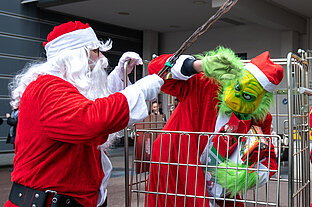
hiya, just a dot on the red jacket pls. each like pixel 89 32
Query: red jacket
pixel 58 133
pixel 196 112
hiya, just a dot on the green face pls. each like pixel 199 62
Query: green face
pixel 244 96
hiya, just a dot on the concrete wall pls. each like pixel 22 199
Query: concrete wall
pixel 250 39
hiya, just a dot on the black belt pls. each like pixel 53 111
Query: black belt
pixel 27 197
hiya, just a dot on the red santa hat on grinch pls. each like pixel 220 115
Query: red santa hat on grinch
pixel 69 36
pixel 265 71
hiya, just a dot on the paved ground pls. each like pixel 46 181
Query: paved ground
pixel 116 193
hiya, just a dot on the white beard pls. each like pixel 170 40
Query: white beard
pixel 97 81
pixel 98 88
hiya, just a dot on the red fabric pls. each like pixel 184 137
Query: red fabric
pixel 58 133
pixel 159 62
pixel 266 129
pixel 197 111
pixel 63 29
pixel 273 72
pixel 234 125
pixel 265 125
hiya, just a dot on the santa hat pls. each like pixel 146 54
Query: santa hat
pixel 265 71
pixel 69 36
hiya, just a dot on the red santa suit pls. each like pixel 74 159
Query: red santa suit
pixel 197 111
pixel 59 131
pixel 58 135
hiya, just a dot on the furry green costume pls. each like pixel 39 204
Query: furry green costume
pixel 204 107
pixel 227 69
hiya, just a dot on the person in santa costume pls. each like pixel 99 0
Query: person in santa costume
pixel 217 93
pixel 67 108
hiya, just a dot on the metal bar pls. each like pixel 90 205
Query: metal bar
pixel 206 168
pixel 178 195
pixel 132 169
pixel 298 93
pixel 196 175
pixel 280 61
pixel 126 143
pixel 149 180
pixel 202 133
pixel 159 165
pixel 187 166
pixel 302 150
pixel 305 91
pixel 208 197
pixel 168 168
pixel 202 165
pixel 308 171
pixel 301 189
pixel 278 173
pixel 290 126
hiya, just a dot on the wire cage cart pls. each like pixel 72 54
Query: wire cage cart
pixel 182 177
pixel 299 180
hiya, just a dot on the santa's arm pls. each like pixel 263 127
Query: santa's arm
pixel 70 117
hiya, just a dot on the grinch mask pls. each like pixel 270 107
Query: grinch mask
pixel 244 95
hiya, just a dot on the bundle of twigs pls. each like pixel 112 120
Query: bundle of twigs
pixel 201 30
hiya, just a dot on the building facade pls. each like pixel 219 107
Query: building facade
pixel 23 29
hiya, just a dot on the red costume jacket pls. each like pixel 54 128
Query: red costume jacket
pixel 196 112
pixel 57 138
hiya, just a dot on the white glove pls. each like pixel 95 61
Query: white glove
pixel 150 86
pixel 134 58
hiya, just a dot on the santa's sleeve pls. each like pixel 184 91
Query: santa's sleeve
pixel 66 115
pixel 182 71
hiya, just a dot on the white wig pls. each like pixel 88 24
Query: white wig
pixel 70 65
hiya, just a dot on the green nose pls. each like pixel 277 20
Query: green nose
pixel 237 95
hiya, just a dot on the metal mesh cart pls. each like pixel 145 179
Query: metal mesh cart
pixel 147 181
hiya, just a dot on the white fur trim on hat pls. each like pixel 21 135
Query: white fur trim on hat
pixel 72 40
pixel 261 77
